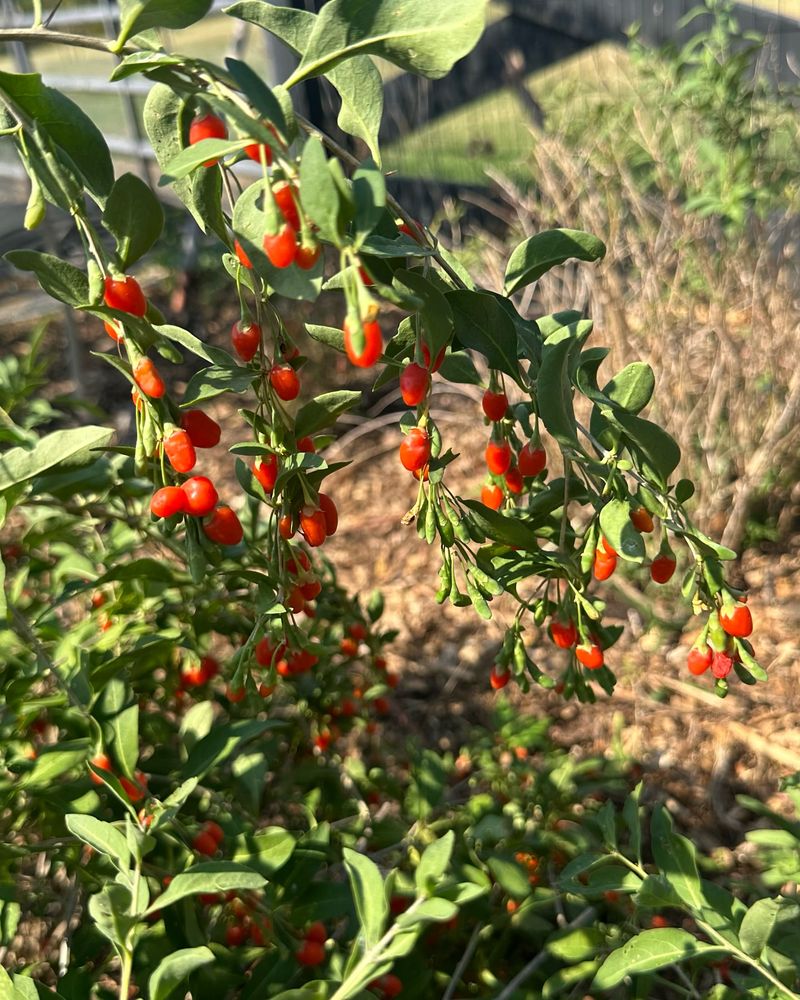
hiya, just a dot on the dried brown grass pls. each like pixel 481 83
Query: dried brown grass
pixel 716 316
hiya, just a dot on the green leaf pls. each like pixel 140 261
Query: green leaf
pixel 435 313
pixel 577 944
pixel 258 93
pixel 509 876
pixel 66 125
pixel 331 336
pixel 536 255
pixel 433 909
pixel 458 367
pixel 401 246
pixel 369 193
pixel 648 951
pixel 139 15
pixel 143 62
pixel 554 383
pixel 416 35
pixel 318 190
pixel 433 863
pixel 268 850
pixel 175 969
pixel 655 893
pixel 134 217
pixel 370 899
pixel 220 743
pixel 357 80
pixel 61 448
pixel 675 857
pixel 632 388
pixel 196 155
pixel 323 411
pixel 59 279
pixel 483 325
pixel 630 813
pixel 758 925
pixel 215 381
pixel 617 527
pixel 163 117
pixel 208 876
pixel 563 980
pixel 126 738
pixel 103 837
pixel 188 340
pixel 144 569
pixel 501 528
pixel 110 910
pixel 658 452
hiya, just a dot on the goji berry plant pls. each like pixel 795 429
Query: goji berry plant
pixel 179 654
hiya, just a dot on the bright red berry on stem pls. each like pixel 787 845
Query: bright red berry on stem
pixel 736 619
pixel 563 635
pixel 307 255
pixel 135 790
pixel 281 247
pixel 244 260
pixel 605 560
pixel 284 381
pixel 125 294
pixel 642 520
pixel 498 457
pixel 699 659
pixel 721 664
pixel 179 450
pixel 146 376
pixel 253 152
pixel 203 431
pixel 494 405
pixel 204 843
pixel 415 451
pixel 311 953
pixel 214 830
pixel 662 567
pixel 266 471
pixel 499 680
pixel 373 344
pixel 414 384
pixel 514 480
pixel 103 763
pixel 313 525
pixel 285 528
pixel 246 338
pixel 317 932
pixel 426 357
pixel 223 527
pixel 207 127
pixel 306 444
pixel 285 199
pixel 590 655
pixel 168 501
pixel 492 496
pixel 532 460
pixel 114 330
pixel 235 935
pixel 200 496
pixel 328 508
pixel 389 986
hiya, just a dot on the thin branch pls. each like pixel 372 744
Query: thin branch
pixel 59 38
pixel 463 962
pixel 528 970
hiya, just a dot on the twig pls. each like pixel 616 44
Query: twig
pixel 463 962
pixel 528 970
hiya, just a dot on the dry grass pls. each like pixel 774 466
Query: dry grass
pixel 718 319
